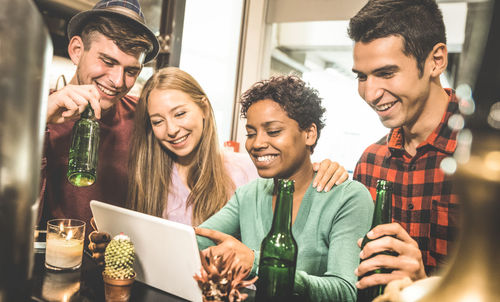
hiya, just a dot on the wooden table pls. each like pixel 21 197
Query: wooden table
pixel 84 284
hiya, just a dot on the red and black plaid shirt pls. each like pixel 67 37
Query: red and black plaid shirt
pixel 423 201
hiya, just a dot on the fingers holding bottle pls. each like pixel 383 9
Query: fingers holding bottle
pixel 69 102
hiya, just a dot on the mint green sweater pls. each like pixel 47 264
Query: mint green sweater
pixel 326 229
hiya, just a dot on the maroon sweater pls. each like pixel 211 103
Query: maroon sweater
pixel 60 199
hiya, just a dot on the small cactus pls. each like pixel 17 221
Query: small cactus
pixel 119 258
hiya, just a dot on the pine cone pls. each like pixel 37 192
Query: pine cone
pixel 221 279
pixel 119 258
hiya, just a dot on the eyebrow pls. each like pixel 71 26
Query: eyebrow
pixel 173 109
pixel 154 115
pixel 103 55
pixel 116 62
pixel 386 68
pixel 265 125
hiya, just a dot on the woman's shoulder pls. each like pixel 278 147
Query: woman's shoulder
pixel 352 185
pixel 350 191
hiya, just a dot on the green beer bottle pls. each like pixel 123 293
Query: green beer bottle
pixel 381 215
pixel 82 163
pixel 278 252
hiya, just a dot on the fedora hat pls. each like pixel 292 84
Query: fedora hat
pixel 128 9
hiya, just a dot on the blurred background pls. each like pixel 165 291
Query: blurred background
pixel 229 44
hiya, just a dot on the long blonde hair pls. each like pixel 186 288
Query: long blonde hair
pixel 150 164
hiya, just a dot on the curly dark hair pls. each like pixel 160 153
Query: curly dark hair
pixel 419 22
pixel 300 102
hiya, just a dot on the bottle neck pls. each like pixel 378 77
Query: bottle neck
pixel 282 220
pixel 383 208
pixel 88 112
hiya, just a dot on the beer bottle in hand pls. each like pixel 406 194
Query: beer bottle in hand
pixel 278 252
pixel 82 164
pixel 381 215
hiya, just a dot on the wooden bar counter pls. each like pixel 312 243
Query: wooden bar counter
pixel 85 284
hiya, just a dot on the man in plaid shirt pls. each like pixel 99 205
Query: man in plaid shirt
pixel 399 54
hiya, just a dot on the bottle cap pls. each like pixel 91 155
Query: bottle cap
pixel 88 112
pixel 286 184
pixel 383 184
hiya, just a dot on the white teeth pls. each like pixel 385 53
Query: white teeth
pixel 384 106
pixel 180 140
pixel 266 158
pixel 107 91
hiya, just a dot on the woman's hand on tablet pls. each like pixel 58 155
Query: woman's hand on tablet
pixel 227 245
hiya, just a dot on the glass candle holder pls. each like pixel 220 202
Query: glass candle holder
pixel 64 248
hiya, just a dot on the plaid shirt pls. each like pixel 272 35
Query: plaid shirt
pixel 423 201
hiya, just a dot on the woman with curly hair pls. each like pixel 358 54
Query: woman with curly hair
pixel 284 122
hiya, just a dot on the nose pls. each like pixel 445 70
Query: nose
pixel 370 90
pixel 260 141
pixel 116 76
pixel 172 129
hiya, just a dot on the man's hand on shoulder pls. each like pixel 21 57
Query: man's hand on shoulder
pixel 69 102
pixel 407 262
pixel 329 173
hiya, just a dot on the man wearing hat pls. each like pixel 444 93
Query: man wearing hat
pixel 109 45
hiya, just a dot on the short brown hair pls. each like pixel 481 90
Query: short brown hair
pixel 129 39
pixel 418 22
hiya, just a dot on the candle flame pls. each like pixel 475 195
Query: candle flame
pixel 70 235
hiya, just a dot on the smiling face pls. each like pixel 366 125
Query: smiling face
pixel 105 66
pixel 389 81
pixel 177 122
pixel 276 144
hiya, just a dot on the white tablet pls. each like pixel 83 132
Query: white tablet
pixel 167 255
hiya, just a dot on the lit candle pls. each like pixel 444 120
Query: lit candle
pixel 64 245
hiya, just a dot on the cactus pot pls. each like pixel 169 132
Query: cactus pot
pixel 117 290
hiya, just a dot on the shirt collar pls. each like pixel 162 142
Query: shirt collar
pixel 442 138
